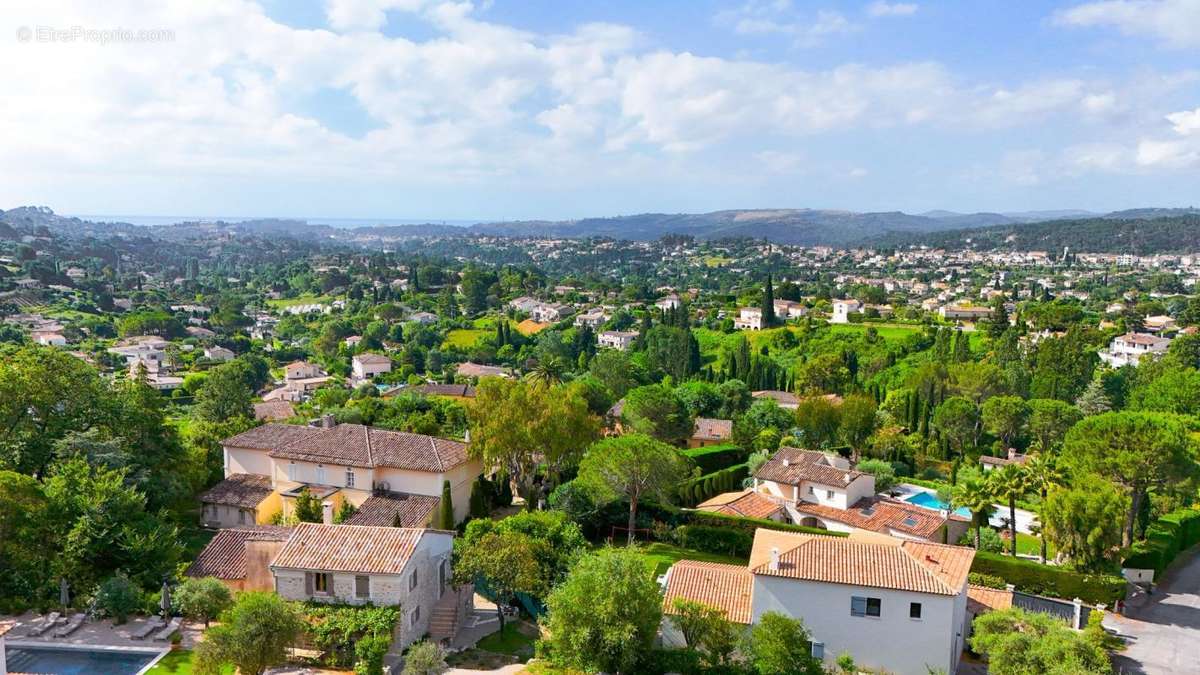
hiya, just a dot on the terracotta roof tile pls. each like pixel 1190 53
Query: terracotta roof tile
pixel 748 504
pixel 793 466
pixel 349 548
pixel 381 510
pixel 981 599
pixel 243 490
pixel 873 561
pixel 362 446
pixel 710 429
pixel 269 436
pixel 274 410
pixel 880 514
pixel 725 587
pixel 225 555
pixel 415 451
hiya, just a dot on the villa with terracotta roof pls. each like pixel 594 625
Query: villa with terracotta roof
pixel 746 504
pixel 820 490
pixel 337 463
pixel 893 604
pixel 708 431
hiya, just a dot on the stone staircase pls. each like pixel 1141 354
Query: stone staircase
pixel 444 621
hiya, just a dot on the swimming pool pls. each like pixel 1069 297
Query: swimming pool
pixel 930 501
pixel 59 661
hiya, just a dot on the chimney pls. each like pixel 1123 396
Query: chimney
pixel 1012 453
pixel 786 462
pixel 327 512
pixel 774 564
pixel 467 436
pixel 328 422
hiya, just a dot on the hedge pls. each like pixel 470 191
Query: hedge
pixel 1165 539
pixel 720 540
pixel 1055 582
pixel 747 525
pixel 715 457
pixel 710 485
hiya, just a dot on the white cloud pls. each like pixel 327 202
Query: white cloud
pixel 1174 22
pixel 778 17
pixel 882 9
pixel 1186 122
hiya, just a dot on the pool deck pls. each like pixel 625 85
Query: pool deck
pixel 98 635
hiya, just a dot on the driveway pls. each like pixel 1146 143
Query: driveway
pixel 1164 632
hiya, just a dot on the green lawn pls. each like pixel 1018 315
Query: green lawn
pixel 1028 544
pixel 179 662
pixel 515 640
pixel 887 331
pixel 465 338
pixel 664 555
pixel 299 300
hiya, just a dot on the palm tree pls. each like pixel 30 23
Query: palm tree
pixel 1042 475
pixel 548 371
pixel 1010 483
pixel 979 497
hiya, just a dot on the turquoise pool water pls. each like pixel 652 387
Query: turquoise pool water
pixel 53 661
pixel 930 501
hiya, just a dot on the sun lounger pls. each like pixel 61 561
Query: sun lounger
pixel 47 623
pixel 142 632
pixel 166 633
pixel 71 626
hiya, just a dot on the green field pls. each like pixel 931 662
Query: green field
pixel 464 338
pixel 179 662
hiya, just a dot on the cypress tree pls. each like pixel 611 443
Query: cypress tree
pixel 445 517
pixel 768 306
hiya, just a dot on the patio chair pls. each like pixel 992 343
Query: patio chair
pixel 166 633
pixel 47 623
pixel 71 626
pixel 142 632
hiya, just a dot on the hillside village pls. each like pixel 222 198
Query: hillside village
pixel 591 455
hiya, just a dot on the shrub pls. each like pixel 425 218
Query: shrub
pixel 369 653
pixel 989 540
pixel 1032 577
pixel 1165 538
pixel 885 475
pixel 339 630
pixel 719 540
pixel 203 599
pixel 424 658
pixel 985 580
pixel 118 597
pixel 715 457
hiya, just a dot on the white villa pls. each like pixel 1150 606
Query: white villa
pixel 616 339
pixel 367 366
pixel 892 604
pixel 842 309
pixel 749 318
pixel 1128 349
pixel 820 490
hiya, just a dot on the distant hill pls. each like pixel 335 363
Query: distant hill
pixel 1104 234
pixel 805 227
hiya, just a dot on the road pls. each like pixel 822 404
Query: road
pixel 1164 633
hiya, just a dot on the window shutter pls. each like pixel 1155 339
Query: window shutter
pixel 858 606
pixel 308 583
pixel 362 586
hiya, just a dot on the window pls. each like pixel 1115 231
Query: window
pixel 362 586
pixel 860 606
pixel 291 471
pixel 811 491
pixel 914 610
pixel 321 474
pixel 412 581
pixel 414 617
pixel 829 494
pixel 320 582
pixel 349 477
pixel 241 517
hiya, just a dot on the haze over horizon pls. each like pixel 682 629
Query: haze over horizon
pixel 459 111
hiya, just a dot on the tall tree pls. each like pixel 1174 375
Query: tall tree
pixel 857 422
pixel 768 304
pixel 978 496
pixel 506 560
pixel 633 467
pixel 656 411
pixel 1010 484
pixel 778 644
pixel 1094 400
pixel 957 420
pixel 1139 451
pixel 1043 476
pixel 224 394
pixel 1084 522
pixel 521 428
pixel 1049 421
pixel 1004 417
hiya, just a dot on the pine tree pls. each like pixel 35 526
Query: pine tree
pixel 962 346
pixel 1093 400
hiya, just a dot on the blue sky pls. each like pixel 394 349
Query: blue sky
pixel 435 109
